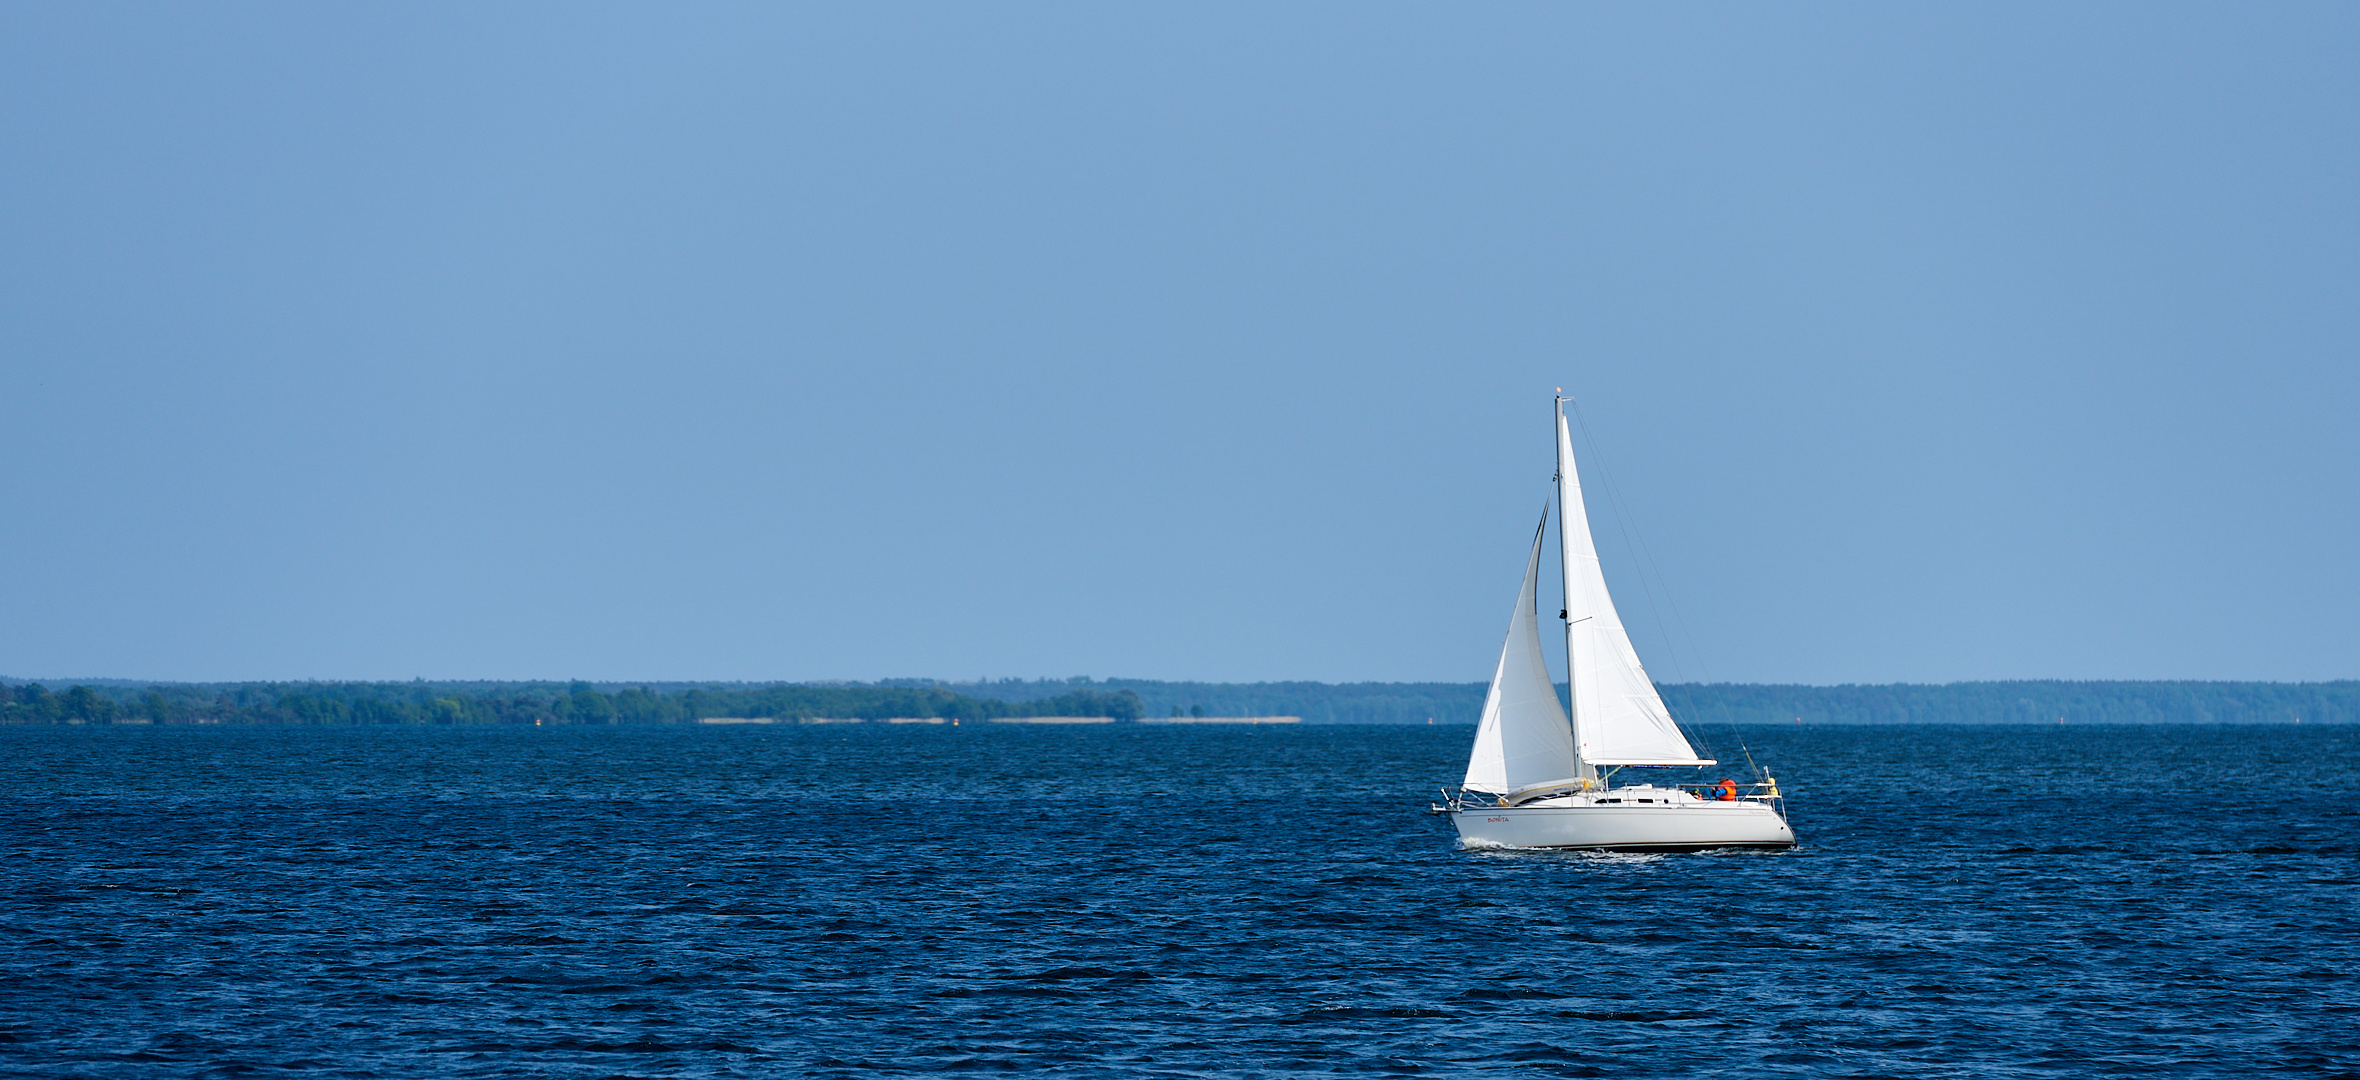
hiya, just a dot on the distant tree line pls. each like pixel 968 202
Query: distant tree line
pixel 2027 701
pixel 574 703
pixel 1316 703
pixel 421 702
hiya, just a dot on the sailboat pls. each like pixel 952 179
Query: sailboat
pixel 1539 778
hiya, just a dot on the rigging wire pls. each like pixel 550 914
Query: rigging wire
pixel 1639 550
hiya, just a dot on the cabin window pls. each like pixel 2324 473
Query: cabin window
pixel 1610 800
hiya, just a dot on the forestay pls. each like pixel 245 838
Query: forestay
pixel 1619 719
pixel 1523 740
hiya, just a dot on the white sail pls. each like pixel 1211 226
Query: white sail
pixel 1619 719
pixel 1523 743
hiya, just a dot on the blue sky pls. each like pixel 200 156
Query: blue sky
pixel 1923 342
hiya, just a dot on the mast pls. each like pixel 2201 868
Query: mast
pixel 1573 675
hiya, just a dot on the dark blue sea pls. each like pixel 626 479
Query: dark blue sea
pixel 1157 901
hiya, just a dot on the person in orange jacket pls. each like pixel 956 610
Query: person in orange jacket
pixel 1728 790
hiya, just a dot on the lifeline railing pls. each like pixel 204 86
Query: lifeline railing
pixel 1764 792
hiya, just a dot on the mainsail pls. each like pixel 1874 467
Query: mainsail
pixel 1619 719
pixel 1522 742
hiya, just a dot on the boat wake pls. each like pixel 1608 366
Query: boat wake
pixel 1488 849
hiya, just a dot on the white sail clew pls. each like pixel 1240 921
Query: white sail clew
pixel 1523 743
pixel 1619 718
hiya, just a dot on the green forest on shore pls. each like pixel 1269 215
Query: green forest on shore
pixel 425 702
pixel 522 703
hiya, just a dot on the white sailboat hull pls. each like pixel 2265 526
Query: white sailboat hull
pixel 1678 826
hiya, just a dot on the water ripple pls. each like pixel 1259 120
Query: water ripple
pixel 1155 903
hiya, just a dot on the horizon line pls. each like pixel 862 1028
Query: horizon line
pixel 1086 680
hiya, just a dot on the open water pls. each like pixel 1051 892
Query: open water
pixel 1157 901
